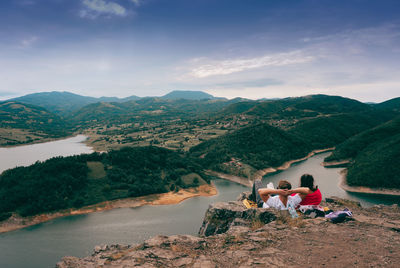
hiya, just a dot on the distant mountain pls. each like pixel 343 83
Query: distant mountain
pixel 189 95
pixel 392 104
pixel 30 117
pixel 239 107
pixel 307 106
pixel 63 103
pixel 148 109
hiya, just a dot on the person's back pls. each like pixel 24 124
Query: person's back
pixel 313 195
pixel 314 198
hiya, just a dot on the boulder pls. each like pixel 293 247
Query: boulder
pixel 222 215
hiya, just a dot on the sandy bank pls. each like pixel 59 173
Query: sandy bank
pixel 364 189
pixel 336 164
pixel 261 173
pixel 16 222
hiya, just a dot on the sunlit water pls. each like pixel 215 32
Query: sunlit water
pixel 44 244
pixel 26 155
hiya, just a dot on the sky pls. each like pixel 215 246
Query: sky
pixel 228 48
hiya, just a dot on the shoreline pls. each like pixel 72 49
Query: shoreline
pixel 261 173
pixel 18 222
pixel 336 164
pixel 45 140
pixel 248 182
pixel 240 180
pixel 364 189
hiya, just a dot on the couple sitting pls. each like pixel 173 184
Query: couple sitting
pixel 285 197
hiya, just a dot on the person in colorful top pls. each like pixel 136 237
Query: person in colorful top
pixel 282 199
pixel 308 192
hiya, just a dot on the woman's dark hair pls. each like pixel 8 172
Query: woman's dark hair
pixel 307 180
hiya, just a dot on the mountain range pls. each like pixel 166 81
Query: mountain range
pixel 64 103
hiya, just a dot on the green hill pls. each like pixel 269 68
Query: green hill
pixel 14 115
pixel 147 109
pixel 239 107
pixel 65 182
pixel 63 103
pixel 351 147
pixel 189 95
pixel 308 106
pixel 329 131
pixel 377 165
pixel 261 146
pixel 392 104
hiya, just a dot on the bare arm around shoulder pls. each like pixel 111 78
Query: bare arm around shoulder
pixel 266 192
pixel 302 191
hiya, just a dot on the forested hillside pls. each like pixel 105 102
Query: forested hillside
pixel 377 165
pixel 63 103
pixel 351 147
pixel 263 146
pixel 147 109
pixel 392 104
pixel 188 95
pixel 259 146
pixel 14 115
pixel 75 181
pixel 373 156
pixel 307 106
pixel 329 131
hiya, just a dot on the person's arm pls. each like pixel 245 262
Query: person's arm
pixel 302 191
pixel 266 192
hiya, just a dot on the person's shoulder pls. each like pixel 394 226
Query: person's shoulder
pixel 295 198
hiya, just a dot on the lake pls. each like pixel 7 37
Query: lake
pixel 44 244
pixel 26 155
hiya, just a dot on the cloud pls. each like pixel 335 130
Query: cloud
pixel 137 2
pixel 27 3
pixel 28 42
pixel 237 65
pixel 94 8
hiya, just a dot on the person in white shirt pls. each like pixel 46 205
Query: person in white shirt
pixel 282 200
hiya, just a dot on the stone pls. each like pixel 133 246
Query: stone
pixel 222 215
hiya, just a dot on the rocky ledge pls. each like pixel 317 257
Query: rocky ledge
pixel 233 236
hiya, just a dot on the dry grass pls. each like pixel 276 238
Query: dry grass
pixel 285 218
pixel 256 224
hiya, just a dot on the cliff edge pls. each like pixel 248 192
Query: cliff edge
pixel 233 236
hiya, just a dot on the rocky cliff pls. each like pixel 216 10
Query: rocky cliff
pixel 233 236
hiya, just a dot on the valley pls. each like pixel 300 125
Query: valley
pixel 157 145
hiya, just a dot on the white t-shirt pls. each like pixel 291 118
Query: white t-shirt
pixel 275 202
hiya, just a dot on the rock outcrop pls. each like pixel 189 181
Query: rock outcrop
pixel 221 216
pixel 233 236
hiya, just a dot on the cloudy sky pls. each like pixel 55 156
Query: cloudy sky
pixel 228 48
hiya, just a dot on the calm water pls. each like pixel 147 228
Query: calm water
pixel 44 244
pixel 28 154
